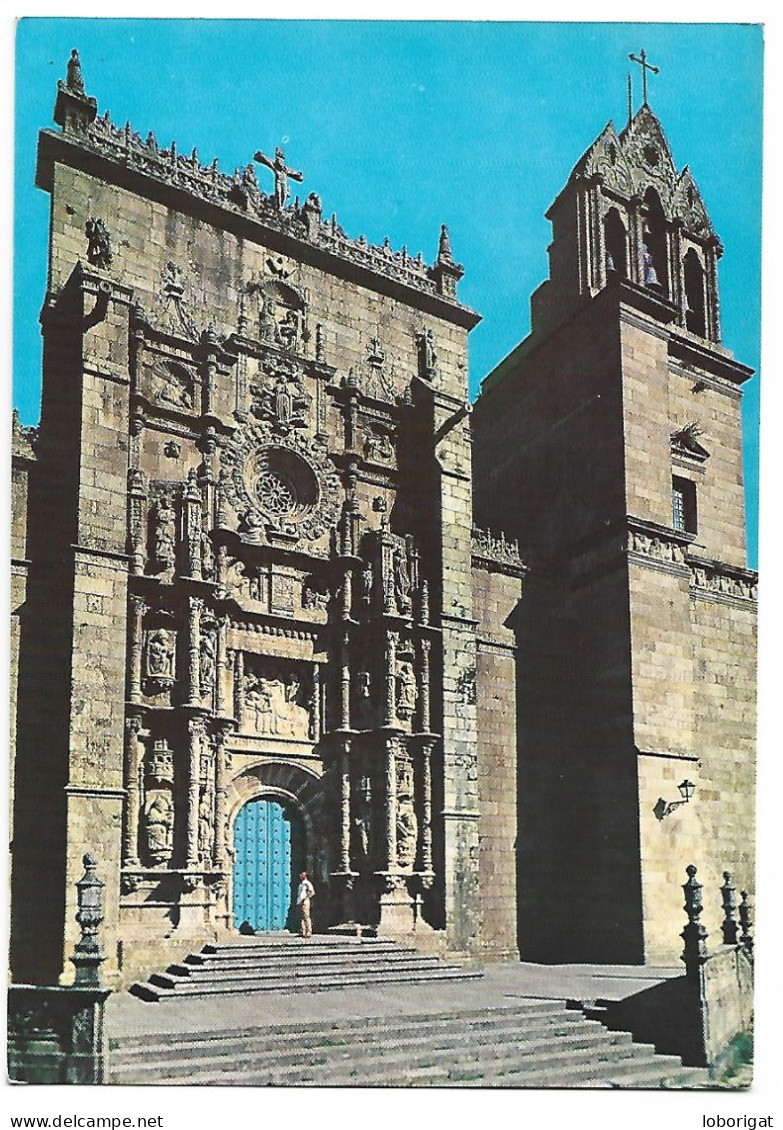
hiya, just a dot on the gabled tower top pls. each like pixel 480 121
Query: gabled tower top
pixel 626 212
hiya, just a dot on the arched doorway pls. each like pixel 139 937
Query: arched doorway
pixel 269 853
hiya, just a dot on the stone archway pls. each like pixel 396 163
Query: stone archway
pixel 289 815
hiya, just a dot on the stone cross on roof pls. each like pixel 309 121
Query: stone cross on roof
pixel 282 173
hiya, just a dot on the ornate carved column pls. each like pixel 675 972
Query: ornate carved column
pixel 390 716
pixel 426 806
pixel 191 521
pixel 194 645
pixel 195 732
pixel 135 639
pixel 133 755
pixel 390 814
pixel 219 846
pixel 317 722
pixel 345 807
pixel 424 700
pixel 345 683
pixel 239 687
pixel 220 666
pixel 137 520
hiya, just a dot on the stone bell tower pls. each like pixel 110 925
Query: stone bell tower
pixel 609 443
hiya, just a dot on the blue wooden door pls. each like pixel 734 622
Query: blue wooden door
pixel 268 844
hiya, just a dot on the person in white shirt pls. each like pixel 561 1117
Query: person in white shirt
pixel 303 898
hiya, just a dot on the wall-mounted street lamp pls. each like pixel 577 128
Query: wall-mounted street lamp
pixel 664 807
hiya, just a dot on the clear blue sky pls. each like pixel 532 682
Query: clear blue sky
pixel 403 126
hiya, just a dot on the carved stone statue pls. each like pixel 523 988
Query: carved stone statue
pixel 402 584
pixel 406 691
pixel 207 664
pixel 205 814
pixel 158 828
pixel 284 401
pixel 407 832
pixel 99 252
pixel 159 655
pixel 282 173
pixel 74 79
pixel 163 545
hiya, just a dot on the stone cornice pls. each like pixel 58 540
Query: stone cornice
pixel 236 204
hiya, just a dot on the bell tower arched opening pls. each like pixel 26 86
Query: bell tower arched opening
pixel 616 243
pixel 695 305
pixel 654 250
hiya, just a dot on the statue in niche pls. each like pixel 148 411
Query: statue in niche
pixel 258 702
pixel 160 655
pixel 362 820
pixel 284 401
pixel 402 584
pixel 207 664
pixel 205 824
pixel 288 329
pixel 158 828
pixel 407 832
pixel 406 691
pixel 207 555
pixel 163 544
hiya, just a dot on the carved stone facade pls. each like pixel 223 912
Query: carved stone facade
pixel 262 531
pixel 245 548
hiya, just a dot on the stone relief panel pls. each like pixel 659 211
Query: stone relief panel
pixel 277 701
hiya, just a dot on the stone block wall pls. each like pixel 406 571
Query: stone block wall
pixel 496 593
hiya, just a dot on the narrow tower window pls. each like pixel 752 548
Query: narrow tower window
pixel 694 294
pixel 684 505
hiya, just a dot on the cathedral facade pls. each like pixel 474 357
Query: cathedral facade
pixel 257 629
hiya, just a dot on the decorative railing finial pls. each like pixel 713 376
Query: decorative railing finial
pixel 694 935
pixel 746 921
pixel 729 899
pixel 87 955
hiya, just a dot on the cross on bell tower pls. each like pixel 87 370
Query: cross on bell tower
pixel 641 59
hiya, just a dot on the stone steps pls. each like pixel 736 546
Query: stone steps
pixel 537 1044
pixel 439 1032
pixel 293 965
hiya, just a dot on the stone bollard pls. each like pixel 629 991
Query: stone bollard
pixel 729 900
pixel 694 935
pixel 87 955
pixel 746 921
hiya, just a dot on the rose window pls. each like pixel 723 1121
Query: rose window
pixel 281 483
pixel 275 494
